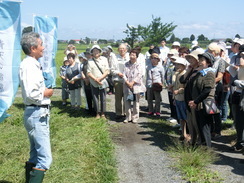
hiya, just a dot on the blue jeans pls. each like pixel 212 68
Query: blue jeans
pixel 224 105
pixel 36 121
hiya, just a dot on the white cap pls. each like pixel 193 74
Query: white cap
pixel 176 43
pixel 97 47
pixel 182 61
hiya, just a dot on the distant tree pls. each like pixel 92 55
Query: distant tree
pixel 150 34
pixel 88 40
pixel 71 41
pixel 237 36
pixel 192 37
pixel 178 39
pixel 185 40
pixel 82 41
pixel 27 29
pixel 102 41
pixel 202 38
pixel 155 31
pixel 132 35
pixel 172 38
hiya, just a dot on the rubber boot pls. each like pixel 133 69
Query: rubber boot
pixel 28 169
pixel 37 175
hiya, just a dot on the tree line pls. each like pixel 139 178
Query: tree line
pixel 147 35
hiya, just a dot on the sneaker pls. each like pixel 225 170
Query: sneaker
pixel 158 114
pixel 168 119
pixel 134 121
pixel 150 113
pixel 64 104
pixel 110 93
pixel 103 116
pixel 97 116
pixel 172 120
pixel 237 147
pixel 125 121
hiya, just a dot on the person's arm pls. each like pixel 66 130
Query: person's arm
pixel 106 72
pixel 219 77
pixel 203 95
pixel 239 83
pixel 90 75
pixel 242 59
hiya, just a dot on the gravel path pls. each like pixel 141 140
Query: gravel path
pixel 139 151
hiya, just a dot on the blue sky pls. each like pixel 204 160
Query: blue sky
pixel 107 19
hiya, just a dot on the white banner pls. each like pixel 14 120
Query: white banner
pixel 10 54
pixel 47 28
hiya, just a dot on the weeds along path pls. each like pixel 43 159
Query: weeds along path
pixel 140 151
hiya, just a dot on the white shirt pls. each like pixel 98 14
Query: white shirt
pixel 111 59
pixel 163 52
pixel 32 82
pixel 102 62
pixel 118 65
pixel 142 61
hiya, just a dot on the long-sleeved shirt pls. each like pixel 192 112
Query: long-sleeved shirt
pixel 155 74
pixel 117 66
pixel 32 82
pixel 132 72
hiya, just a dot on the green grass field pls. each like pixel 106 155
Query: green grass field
pixel 82 148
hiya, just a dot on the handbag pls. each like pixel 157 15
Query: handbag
pixel 156 86
pixel 210 106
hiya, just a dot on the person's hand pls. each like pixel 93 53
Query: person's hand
pixel 97 80
pixel 130 84
pixel 176 92
pixel 120 75
pixel 192 104
pixel 48 92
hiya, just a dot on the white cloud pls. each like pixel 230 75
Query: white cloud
pixel 209 29
pixel 194 26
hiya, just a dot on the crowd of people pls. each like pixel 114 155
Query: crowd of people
pixel 205 87
pixel 192 76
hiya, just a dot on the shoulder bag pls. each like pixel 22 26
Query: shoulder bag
pixel 210 106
